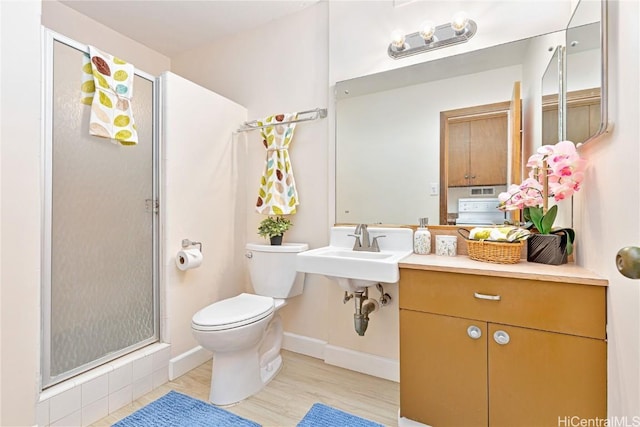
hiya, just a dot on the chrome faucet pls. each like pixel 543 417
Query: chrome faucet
pixel 363 242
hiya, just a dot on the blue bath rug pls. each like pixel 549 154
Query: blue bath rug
pixel 178 410
pixel 325 416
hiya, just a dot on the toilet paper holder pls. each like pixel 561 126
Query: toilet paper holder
pixel 186 243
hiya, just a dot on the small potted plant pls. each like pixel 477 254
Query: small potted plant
pixel 274 227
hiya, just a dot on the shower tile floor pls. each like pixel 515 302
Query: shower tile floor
pixel 302 382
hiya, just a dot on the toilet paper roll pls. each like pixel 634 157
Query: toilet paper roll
pixel 189 258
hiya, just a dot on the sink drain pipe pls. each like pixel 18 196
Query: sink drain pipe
pixel 364 307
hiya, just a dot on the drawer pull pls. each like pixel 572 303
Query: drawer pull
pixel 474 332
pixel 501 337
pixel 487 297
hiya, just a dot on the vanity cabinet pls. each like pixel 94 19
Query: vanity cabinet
pixel 476 146
pixel 478 350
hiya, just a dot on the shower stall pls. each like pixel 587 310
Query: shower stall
pixel 101 228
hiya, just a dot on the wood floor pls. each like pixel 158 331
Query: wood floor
pixel 302 381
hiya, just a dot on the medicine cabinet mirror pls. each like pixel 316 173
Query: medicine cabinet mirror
pixel 586 72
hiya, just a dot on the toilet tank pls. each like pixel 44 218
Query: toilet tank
pixel 273 269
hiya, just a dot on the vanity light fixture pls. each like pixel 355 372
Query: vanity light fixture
pixel 430 37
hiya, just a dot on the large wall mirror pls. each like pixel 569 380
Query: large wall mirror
pixel 388 132
pixel 388 125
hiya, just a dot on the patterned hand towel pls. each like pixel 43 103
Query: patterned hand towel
pixel 111 111
pixel 277 193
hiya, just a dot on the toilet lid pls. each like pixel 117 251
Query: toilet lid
pixel 233 312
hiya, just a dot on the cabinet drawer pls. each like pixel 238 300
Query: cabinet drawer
pixel 550 306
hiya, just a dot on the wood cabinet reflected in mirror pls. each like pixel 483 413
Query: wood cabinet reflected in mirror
pixel 583 116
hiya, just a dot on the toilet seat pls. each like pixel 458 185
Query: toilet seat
pixel 234 312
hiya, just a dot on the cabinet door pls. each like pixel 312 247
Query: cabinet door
pixel 443 371
pixel 458 174
pixel 538 378
pixel 478 151
pixel 488 151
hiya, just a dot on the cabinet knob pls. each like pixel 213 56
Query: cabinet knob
pixel 474 332
pixel 501 337
pixel 473 177
pixel 466 176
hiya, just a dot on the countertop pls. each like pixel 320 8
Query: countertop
pixel 566 273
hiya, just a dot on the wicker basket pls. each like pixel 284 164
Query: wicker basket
pixel 491 251
pixel 496 252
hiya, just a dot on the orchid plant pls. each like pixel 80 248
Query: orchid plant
pixel 556 171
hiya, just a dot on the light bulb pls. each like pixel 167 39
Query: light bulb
pixel 459 22
pixel 397 39
pixel 427 30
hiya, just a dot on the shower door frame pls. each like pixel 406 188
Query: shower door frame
pixel 49 38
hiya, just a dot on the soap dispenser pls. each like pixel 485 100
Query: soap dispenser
pixel 422 238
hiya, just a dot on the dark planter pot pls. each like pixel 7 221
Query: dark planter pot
pixel 547 249
pixel 276 240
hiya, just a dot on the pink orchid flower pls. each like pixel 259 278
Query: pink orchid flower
pixel 564 173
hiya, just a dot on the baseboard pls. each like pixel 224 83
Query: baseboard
pixel 304 345
pixel 358 361
pixel 366 363
pixel 187 361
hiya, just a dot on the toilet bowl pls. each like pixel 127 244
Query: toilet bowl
pixel 245 332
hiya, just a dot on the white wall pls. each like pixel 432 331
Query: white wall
pixel 360 30
pixel 20 210
pixel 68 22
pixel 200 203
pixel 607 209
pixel 281 67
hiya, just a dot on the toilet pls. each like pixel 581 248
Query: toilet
pixel 245 332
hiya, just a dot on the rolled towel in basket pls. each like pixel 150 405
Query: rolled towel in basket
pixel 499 234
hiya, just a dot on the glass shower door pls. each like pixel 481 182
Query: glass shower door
pixel 100 260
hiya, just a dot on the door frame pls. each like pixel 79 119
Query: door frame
pixel 451 116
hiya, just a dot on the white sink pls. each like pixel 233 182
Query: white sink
pixel 356 270
pixel 355 254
